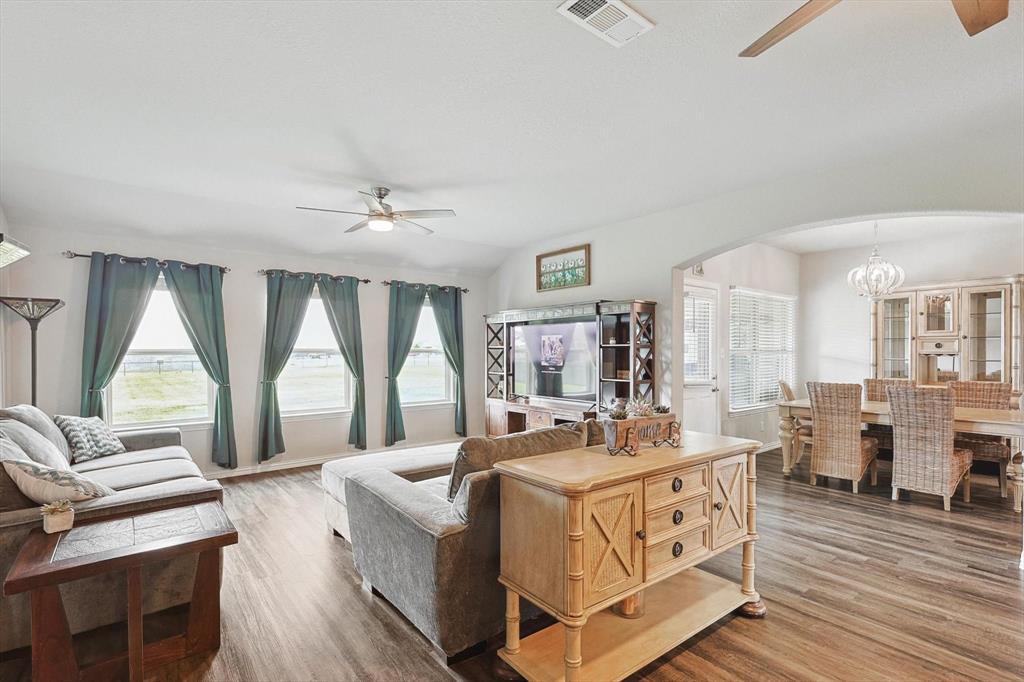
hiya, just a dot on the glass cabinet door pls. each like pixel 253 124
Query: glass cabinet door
pixel 895 337
pixel 937 312
pixel 984 334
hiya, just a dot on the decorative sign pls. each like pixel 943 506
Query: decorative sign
pixel 564 268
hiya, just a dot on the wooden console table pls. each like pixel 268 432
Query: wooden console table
pixel 122 543
pixel 582 531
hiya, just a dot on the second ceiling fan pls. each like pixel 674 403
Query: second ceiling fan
pixel 383 218
pixel 975 15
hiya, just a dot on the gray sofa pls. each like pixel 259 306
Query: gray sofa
pixel 432 547
pixel 155 472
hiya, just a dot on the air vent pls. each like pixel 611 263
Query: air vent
pixel 613 21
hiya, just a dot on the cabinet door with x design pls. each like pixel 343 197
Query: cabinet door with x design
pixel 728 515
pixel 612 542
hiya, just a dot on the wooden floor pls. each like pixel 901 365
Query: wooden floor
pixel 857 587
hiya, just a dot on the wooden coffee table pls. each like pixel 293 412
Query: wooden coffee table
pixel 122 543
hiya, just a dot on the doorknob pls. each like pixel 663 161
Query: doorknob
pixel 715 389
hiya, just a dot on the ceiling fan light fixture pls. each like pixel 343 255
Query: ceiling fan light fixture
pixel 381 223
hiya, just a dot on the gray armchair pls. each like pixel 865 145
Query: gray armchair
pixel 436 561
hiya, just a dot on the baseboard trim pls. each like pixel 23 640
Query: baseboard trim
pixel 309 461
pixel 769 446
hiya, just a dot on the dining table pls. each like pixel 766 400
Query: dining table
pixel 1006 423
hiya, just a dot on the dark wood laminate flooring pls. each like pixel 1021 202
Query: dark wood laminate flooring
pixel 858 587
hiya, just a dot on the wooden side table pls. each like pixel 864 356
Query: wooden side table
pixel 122 543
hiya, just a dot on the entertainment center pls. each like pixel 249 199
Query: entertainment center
pixel 566 363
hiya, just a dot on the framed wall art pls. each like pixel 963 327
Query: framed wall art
pixel 564 268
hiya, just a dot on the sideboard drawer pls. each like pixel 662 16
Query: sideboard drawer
pixel 677 518
pixel 675 486
pixel 676 552
pixel 535 419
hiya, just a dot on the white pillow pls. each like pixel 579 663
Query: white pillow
pixel 43 484
pixel 89 437
pixel 35 445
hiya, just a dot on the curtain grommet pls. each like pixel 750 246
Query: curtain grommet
pixel 122 260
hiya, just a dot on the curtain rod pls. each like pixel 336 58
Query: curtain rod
pixel 160 263
pixel 387 283
pixel 316 276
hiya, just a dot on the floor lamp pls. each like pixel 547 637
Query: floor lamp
pixel 33 310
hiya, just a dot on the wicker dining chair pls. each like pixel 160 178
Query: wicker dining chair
pixel 924 458
pixel 874 391
pixel 988 395
pixel 839 450
pixel 803 433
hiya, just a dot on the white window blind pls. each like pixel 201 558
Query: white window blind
pixel 761 347
pixel 698 331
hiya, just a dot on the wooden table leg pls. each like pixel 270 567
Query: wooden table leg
pixel 787 432
pixel 754 608
pixel 511 622
pixel 53 657
pixel 573 652
pixel 204 612
pixel 135 641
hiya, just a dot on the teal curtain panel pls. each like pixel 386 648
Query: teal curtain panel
pixel 119 291
pixel 287 300
pixel 197 294
pixel 446 303
pixel 340 296
pixel 404 307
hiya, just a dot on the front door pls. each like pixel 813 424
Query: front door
pixel 700 359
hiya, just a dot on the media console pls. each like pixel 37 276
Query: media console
pixel 623 361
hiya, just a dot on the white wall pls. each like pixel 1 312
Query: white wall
pixel 755 266
pixel 835 323
pixel 47 273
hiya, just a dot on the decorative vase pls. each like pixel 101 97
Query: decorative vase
pixel 61 521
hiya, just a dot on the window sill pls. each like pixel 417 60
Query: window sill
pixel 753 410
pixel 204 425
pixel 315 416
pixel 444 404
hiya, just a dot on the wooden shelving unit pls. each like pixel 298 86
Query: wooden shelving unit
pixel 626 345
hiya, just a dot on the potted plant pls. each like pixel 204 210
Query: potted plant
pixel 57 516
pixel 620 432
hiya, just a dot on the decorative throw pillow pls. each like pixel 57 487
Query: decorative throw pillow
pixel 31 415
pixel 34 444
pixel 11 497
pixel 43 484
pixel 89 437
pixel 481 454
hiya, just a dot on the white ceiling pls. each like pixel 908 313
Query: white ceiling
pixel 208 122
pixel 904 229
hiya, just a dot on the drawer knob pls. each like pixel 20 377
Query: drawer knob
pixel 677 484
pixel 677 549
pixel 719 506
pixel 641 534
pixel 677 517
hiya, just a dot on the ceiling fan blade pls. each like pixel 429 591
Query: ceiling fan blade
pixel 427 213
pixel 358 226
pixel 329 210
pixel 804 15
pixel 977 15
pixel 409 225
pixel 372 202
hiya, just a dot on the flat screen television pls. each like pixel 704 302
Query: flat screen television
pixel 556 359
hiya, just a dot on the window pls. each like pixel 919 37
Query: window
pixel 761 347
pixel 160 379
pixel 698 330
pixel 316 378
pixel 426 376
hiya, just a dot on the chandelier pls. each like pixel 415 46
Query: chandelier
pixel 876 278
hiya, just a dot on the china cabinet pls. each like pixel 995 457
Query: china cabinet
pixel 968 330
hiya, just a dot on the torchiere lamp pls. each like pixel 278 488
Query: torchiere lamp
pixel 33 310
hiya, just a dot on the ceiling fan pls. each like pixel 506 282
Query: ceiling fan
pixel 382 218
pixel 975 15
